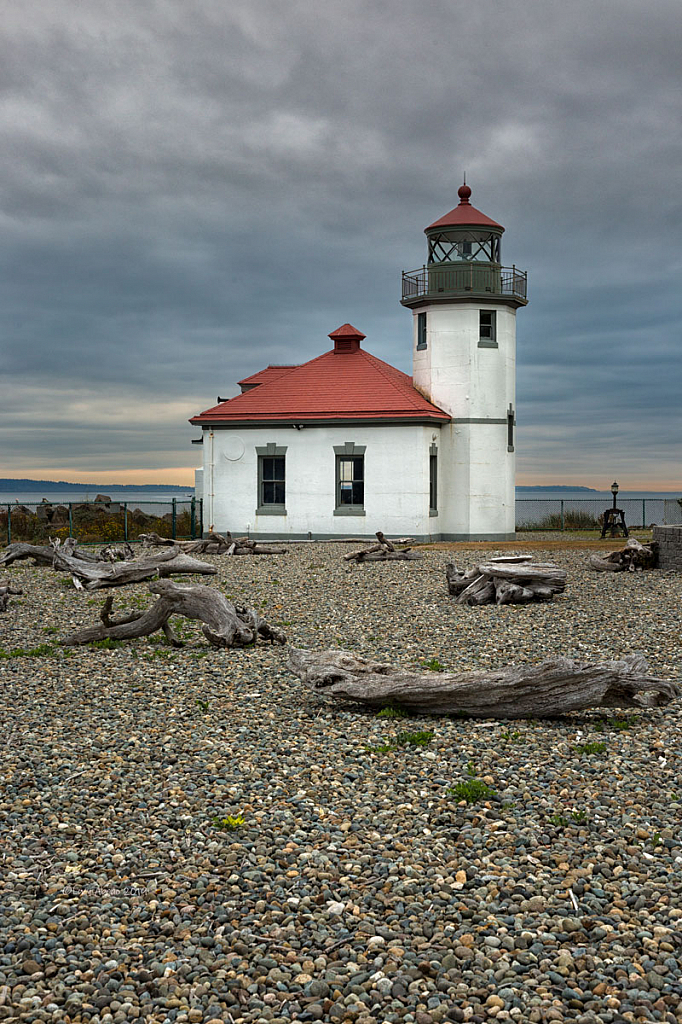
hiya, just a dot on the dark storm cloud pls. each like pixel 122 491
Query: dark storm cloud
pixel 191 191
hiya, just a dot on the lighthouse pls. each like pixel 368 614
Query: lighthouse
pixel 464 304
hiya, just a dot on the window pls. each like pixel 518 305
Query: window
pixel 350 479
pixel 351 476
pixel 433 480
pixel 271 480
pixel 487 328
pixel 421 330
pixel 510 428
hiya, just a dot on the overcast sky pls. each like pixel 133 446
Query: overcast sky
pixel 192 189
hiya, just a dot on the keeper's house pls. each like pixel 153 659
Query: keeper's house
pixel 347 445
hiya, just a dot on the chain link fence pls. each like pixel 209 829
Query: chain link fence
pixel 100 521
pixel 587 513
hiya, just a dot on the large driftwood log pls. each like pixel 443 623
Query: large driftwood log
pixel 514 580
pixel 225 624
pixel 384 551
pixel 94 576
pixel 518 691
pixel 634 557
pixel 214 544
pixel 5 591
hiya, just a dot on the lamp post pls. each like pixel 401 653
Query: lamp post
pixel 614 492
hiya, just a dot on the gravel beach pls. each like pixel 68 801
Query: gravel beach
pixel 354 884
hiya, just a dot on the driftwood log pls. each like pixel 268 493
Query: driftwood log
pixel 40 553
pixel 213 544
pixel 94 576
pixel 634 557
pixel 225 624
pixel 518 691
pixel 514 580
pixel 43 554
pixel 384 551
pixel 5 591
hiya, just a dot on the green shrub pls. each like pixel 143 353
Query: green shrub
pixel 230 823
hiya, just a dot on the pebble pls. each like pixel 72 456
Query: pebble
pixel 357 888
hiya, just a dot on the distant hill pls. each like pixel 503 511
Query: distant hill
pixel 11 484
pixel 556 487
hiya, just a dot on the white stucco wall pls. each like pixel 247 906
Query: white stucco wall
pixel 457 375
pixel 471 383
pixel 396 481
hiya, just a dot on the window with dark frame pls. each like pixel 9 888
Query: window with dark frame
pixel 421 330
pixel 272 480
pixel 510 428
pixel 350 481
pixel 433 479
pixel 487 328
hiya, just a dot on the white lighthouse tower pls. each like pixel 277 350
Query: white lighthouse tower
pixel 464 305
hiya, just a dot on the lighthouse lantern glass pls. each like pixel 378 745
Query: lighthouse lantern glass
pixel 455 246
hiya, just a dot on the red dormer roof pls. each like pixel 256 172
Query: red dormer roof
pixel 464 215
pixel 346 383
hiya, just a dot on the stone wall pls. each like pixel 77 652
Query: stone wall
pixel 670 546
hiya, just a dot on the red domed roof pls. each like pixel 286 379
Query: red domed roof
pixel 464 215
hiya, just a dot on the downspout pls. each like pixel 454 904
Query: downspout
pixel 210 480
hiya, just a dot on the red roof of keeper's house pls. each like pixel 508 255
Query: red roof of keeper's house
pixel 346 383
pixel 464 214
pixel 271 372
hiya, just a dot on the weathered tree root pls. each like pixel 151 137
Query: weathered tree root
pixel 517 691
pixel 225 625
pixel 384 551
pixel 634 557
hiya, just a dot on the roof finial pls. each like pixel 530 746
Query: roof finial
pixel 464 192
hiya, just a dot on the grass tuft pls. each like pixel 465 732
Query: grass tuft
pixel 589 748
pixel 41 651
pixel 433 665
pixel 404 739
pixel 392 711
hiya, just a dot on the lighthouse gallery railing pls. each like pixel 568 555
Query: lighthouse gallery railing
pixel 470 278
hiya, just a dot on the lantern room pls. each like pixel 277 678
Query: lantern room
pixel 464 260
pixel 464 234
